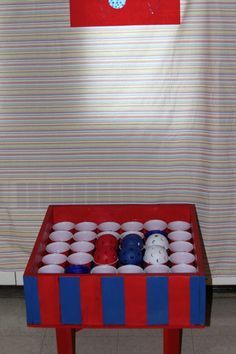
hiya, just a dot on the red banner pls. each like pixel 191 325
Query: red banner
pixel 85 13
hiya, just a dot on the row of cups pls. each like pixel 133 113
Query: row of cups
pixel 134 269
pixel 84 242
pixel 91 236
pixel 154 224
pixel 58 254
pixel 88 247
pixel 106 252
pixel 125 269
pixel 81 243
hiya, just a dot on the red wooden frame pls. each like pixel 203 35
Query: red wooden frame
pixel 120 213
pixel 135 12
pixel 46 287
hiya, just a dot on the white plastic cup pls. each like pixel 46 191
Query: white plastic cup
pixel 157 239
pixel 132 226
pixel 63 226
pixel 60 236
pixel 181 246
pixel 182 257
pixel 80 258
pixel 130 269
pixel 86 226
pixel 54 258
pixel 183 268
pixel 155 255
pixel 179 225
pixel 109 226
pixel 51 269
pixel 179 236
pixel 89 236
pixel 104 269
pixel 58 247
pixel 124 234
pixel 82 246
pixel 161 268
pixel 155 224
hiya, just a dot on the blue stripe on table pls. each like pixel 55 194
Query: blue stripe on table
pixel 157 300
pixel 32 300
pixel 113 304
pixel 197 300
pixel 70 300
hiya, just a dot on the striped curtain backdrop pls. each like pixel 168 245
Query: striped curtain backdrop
pixel 142 114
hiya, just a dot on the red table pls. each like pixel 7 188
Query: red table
pixel 70 302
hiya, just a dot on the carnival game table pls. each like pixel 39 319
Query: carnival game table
pixel 71 302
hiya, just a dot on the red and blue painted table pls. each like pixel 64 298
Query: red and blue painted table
pixel 70 302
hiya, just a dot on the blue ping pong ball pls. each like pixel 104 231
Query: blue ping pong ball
pixel 131 255
pixel 132 240
pixel 155 232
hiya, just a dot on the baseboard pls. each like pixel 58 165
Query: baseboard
pixel 223 281
pixel 224 289
pixel 7 278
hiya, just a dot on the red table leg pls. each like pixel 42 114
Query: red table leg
pixel 172 341
pixel 65 340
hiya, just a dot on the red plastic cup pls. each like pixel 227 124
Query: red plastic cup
pixel 107 240
pixel 82 246
pixel 113 233
pixel 81 258
pixel 107 249
pixel 105 256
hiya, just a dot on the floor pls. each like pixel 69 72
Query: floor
pixel 16 338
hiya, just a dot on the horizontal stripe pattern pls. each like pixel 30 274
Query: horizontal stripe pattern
pixel 117 115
